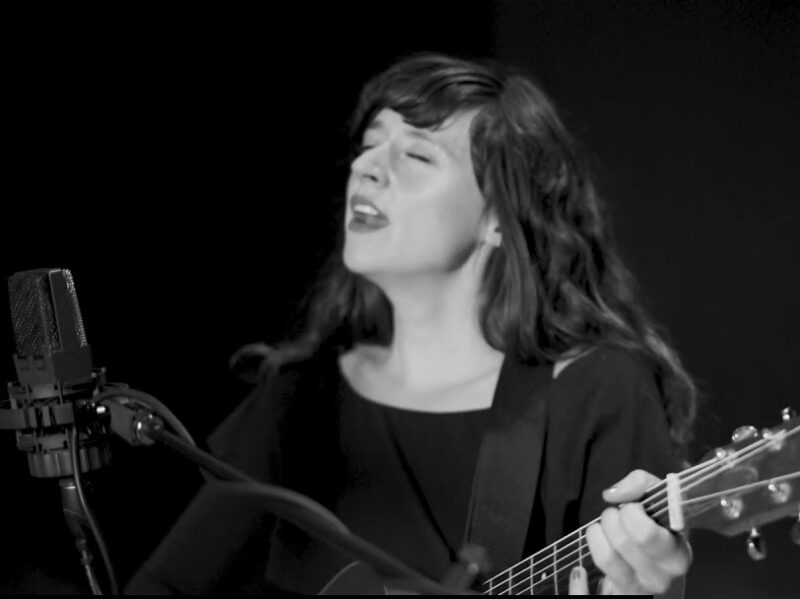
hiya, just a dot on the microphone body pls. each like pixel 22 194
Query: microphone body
pixel 55 377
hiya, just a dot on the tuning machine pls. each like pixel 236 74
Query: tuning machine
pixel 731 507
pixel 779 492
pixel 743 433
pixel 756 546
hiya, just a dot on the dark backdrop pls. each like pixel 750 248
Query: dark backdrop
pixel 186 167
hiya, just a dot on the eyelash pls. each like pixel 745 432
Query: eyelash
pixel 424 159
pixel 419 157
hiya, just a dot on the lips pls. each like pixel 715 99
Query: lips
pixel 366 213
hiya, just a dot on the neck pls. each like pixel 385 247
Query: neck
pixel 437 335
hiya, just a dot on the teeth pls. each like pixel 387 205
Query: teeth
pixel 365 209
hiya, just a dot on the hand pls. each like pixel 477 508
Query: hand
pixel 636 555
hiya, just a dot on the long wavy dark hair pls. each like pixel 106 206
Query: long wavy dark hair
pixel 556 286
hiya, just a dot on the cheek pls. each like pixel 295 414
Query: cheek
pixel 440 229
pixel 444 198
pixel 458 214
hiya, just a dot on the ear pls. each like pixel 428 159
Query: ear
pixel 491 232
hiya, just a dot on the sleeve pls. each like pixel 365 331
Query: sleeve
pixel 220 543
pixel 605 418
pixel 250 437
pixel 630 432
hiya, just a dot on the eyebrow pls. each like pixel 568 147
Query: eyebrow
pixel 424 135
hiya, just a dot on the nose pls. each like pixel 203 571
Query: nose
pixel 369 167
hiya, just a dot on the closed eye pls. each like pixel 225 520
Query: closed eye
pixel 419 157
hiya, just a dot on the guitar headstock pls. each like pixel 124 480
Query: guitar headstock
pixel 750 482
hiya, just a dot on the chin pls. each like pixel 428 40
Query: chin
pixel 360 262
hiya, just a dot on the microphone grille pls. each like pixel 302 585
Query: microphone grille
pixel 45 314
pixel 75 307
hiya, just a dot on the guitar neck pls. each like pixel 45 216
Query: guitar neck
pixel 738 487
pixel 547 571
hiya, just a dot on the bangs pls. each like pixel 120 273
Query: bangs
pixel 426 91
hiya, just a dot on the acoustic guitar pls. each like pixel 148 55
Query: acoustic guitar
pixel 733 490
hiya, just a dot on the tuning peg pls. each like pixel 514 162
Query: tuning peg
pixel 756 547
pixel 779 492
pixel 787 414
pixel 776 439
pixel 795 534
pixel 731 507
pixel 744 432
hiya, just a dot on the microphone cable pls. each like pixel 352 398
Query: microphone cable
pixel 72 441
pixel 140 398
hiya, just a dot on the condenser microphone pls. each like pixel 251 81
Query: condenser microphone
pixel 55 377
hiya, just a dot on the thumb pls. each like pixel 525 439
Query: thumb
pixel 630 488
pixel 578 581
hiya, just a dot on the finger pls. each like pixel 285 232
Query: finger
pixel 630 488
pixel 607 559
pixel 606 587
pixel 647 571
pixel 668 553
pixel 578 581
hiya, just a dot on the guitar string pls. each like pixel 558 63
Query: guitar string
pixel 700 470
pixel 566 570
pixel 741 489
pixel 533 558
pixel 531 578
pixel 728 462
pixel 745 453
pixel 754 448
pixel 740 455
pixel 697 467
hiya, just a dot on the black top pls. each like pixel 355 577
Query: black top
pixel 400 478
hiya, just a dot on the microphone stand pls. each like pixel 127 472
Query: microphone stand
pixel 48 432
pixel 78 523
pixel 141 427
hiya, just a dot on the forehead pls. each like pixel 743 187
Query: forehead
pixel 453 135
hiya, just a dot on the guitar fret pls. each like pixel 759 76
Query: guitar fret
pixel 540 572
pixel 520 575
pixel 529 575
pixel 555 569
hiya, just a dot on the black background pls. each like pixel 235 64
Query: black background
pixel 187 167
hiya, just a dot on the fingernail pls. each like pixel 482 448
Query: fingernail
pixel 577 581
pixel 611 490
pixel 606 588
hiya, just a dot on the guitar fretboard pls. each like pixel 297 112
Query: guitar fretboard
pixel 547 572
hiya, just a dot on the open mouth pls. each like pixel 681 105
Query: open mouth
pixel 367 222
pixel 366 215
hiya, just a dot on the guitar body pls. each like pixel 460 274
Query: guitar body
pixel 359 579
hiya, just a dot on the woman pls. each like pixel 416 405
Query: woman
pixel 477 288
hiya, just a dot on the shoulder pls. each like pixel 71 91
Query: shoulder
pixel 605 379
pixel 294 370
pixel 604 362
pixel 605 365
pixel 610 397
pixel 278 388
pixel 252 435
